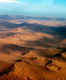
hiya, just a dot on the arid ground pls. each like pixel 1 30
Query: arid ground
pixel 32 48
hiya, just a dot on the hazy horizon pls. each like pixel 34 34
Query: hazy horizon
pixel 50 8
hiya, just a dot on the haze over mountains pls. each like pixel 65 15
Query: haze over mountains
pixel 32 46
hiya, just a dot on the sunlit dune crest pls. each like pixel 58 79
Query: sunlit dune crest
pixel 47 23
pixel 22 34
pixel 16 21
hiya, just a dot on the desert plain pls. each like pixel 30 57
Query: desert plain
pixel 32 49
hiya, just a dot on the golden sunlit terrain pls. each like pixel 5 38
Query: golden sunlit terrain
pixel 32 49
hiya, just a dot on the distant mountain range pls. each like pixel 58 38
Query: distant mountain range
pixel 30 17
